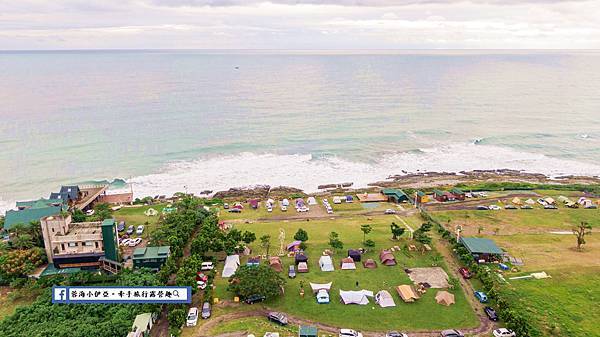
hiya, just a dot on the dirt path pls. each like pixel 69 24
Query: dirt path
pixel 471 204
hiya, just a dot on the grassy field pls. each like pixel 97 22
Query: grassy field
pixel 135 216
pixel 562 305
pixel 8 305
pixel 255 325
pixel 424 314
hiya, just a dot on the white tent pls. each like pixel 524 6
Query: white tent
pixel 232 262
pixel 337 200
pixel 285 202
pixel 151 212
pixel 318 286
pixel 348 264
pixel 326 263
pixel 355 297
pixel 384 299
pixel 530 201
pixel 311 201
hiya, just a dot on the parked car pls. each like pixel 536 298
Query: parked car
pixel 302 209
pixel 550 207
pixel 322 296
pixel 130 230
pixel 207 266
pixel 504 332
pixel 125 242
pixel 481 296
pixel 235 210
pixel 510 207
pixel 90 212
pixel 395 334
pixel 284 208
pixel 225 206
pixel 389 211
pixel 192 317
pixel 494 207
pixel 451 333
pixel 491 313
pixel 526 207
pixel 121 226
pixel 277 317
pixel 542 202
pixel 350 333
pixel 482 208
pixel 139 230
pixel 205 310
pixel 202 280
pixel 254 299
pixel 292 272
pixel 329 210
pixel 134 242
pixel 466 274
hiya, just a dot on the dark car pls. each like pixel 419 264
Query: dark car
pixel 278 318
pixel 510 207
pixel 130 230
pixel 466 274
pixel 121 226
pixel 526 207
pixel 550 207
pixel 482 208
pixel 205 310
pixel 451 333
pixel 491 313
pixel 235 210
pixel 254 299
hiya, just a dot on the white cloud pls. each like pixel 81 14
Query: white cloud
pixel 299 24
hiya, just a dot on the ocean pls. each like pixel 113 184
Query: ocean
pixel 209 120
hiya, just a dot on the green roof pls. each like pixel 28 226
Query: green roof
pixel 438 192
pixel 307 330
pixel 481 246
pixel 394 192
pixel 456 191
pixel 421 193
pixel 51 270
pixel 40 203
pixel 28 215
pixel 108 222
pixel 151 252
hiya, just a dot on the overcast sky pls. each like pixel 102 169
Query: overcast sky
pixel 300 24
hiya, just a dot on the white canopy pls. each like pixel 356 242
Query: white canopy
pixel 530 201
pixel 232 262
pixel 326 263
pixel 384 299
pixel 318 286
pixel 311 201
pixel 356 297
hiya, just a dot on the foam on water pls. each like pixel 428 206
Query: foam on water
pixel 305 172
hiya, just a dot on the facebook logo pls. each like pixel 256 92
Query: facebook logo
pixel 60 294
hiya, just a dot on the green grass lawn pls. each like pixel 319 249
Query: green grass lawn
pixel 257 326
pixel 424 314
pixel 566 304
pixel 135 216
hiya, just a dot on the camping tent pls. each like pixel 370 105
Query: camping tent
pixel 517 201
pixel 406 293
pixel 151 212
pixel 387 258
pixel 349 199
pixel 530 201
pixel 337 200
pixel 275 263
pixel 299 203
pixel 300 257
pixel 311 201
pixel 285 202
pixel 550 201
pixel 354 254
pixel 370 264
pixel 232 262
pixel 294 246
pixel 384 299
pixel 444 298
pixel 355 297
pixel 318 286
pixel 326 263
pixel 348 264
pixel 253 203
pixel 253 261
pixel 303 267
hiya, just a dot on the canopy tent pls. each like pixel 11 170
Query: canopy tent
pixel 303 267
pixel 354 254
pixel 444 298
pixel 311 201
pixel 348 264
pixel 300 257
pixel 563 199
pixel 517 201
pixel 326 263
pixel 232 262
pixel 384 299
pixel 318 286
pixel 293 246
pixel 387 258
pixel 359 297
pixel 407 294
pixel 530 201
pixel 369 264
pixel 550 201
pixel 275 263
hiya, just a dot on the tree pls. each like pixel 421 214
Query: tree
pixel 480 229
pixel 366 229
pixel 78 215
pixel 420 235
pixel 102 211
pixel 397 231
pixel 257 280
pixel 580 232
pixel 248 237
pixel 301 235
pixel 265 243
pixel 335 242
pixel 370 243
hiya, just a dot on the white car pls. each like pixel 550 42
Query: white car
pixel 503 332
pixel 494 207
pixel 302 209
pixel 125 242
pixel 389 211
pixel 284 208
pixel 207 266
pixel 542 202
pixel 329 210
pixel 350 333
pixel 192 317
pixel 90 212
pixel 134 242
pixel 269 209
pixel 139 230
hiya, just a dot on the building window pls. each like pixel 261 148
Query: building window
pixel 72 244
pixel 89 243
pixel 62 246
pixel 96 244
pixel 52 229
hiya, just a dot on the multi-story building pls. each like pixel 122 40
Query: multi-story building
pixel 84 245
